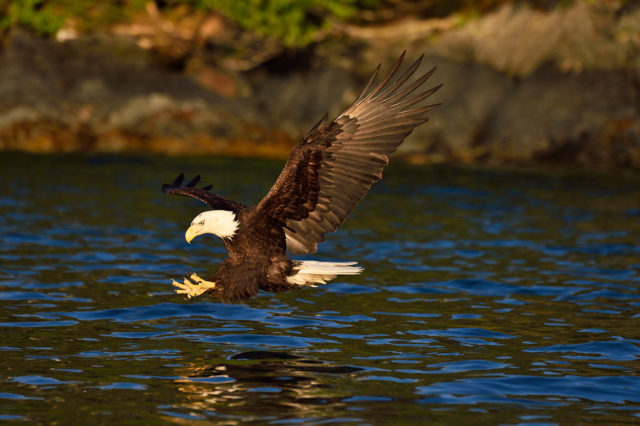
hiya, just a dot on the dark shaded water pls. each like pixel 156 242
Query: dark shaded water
pixel 492 297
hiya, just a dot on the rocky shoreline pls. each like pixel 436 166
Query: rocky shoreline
pixel 575 99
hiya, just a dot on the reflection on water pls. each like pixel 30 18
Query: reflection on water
pixel 508 295
pixel 272 379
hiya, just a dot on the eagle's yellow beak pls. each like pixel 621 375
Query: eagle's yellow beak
pixel 191 233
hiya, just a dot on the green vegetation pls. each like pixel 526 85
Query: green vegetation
pixel 48 16
pixel 290 22
pixel 35 14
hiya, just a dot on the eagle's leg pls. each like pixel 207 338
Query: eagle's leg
pixel 193 286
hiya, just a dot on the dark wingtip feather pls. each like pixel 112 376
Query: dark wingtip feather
pixel 365 92
pixel 177 185
pixel 416 99
pixel 381 86
pixel 193 182
pixel 178 180
pixel 431 71
pixel 168 188
pixel 396 85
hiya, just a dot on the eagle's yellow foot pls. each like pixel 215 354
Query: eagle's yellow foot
pixel 193 286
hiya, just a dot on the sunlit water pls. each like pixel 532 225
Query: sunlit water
pixel 488 297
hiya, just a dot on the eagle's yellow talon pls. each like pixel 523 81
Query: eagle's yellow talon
pixel 193 286
pixel 195 278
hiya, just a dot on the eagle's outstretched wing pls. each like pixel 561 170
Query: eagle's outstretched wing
pixel 216 202
pixel 331 169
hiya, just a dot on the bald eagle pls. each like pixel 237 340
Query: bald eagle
pixel 327 174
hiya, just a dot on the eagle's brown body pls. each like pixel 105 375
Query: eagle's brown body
pixel 257 259
pixel 328 172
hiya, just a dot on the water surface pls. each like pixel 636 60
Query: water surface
pixel 496 297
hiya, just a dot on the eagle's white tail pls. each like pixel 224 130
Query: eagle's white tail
pixel 312 272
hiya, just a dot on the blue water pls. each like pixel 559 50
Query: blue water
pixel 508 297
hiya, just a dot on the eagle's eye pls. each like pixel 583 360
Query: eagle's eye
pixel 201 223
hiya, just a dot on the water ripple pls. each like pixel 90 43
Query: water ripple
pixel 508 295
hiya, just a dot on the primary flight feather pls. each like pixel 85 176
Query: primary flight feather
pixel 328 173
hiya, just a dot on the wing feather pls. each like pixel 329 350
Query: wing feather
pixel 214 201
pixel 333 166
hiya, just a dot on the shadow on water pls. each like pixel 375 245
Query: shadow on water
pixel 500 297
pixel 256 381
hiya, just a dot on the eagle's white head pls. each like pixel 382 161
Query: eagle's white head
pixel 222 223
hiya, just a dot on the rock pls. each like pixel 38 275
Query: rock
pixel 112 98
pixel 520 86
pixel 517 40
pixel 103 92
pixel 591 118
pixel 470 97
